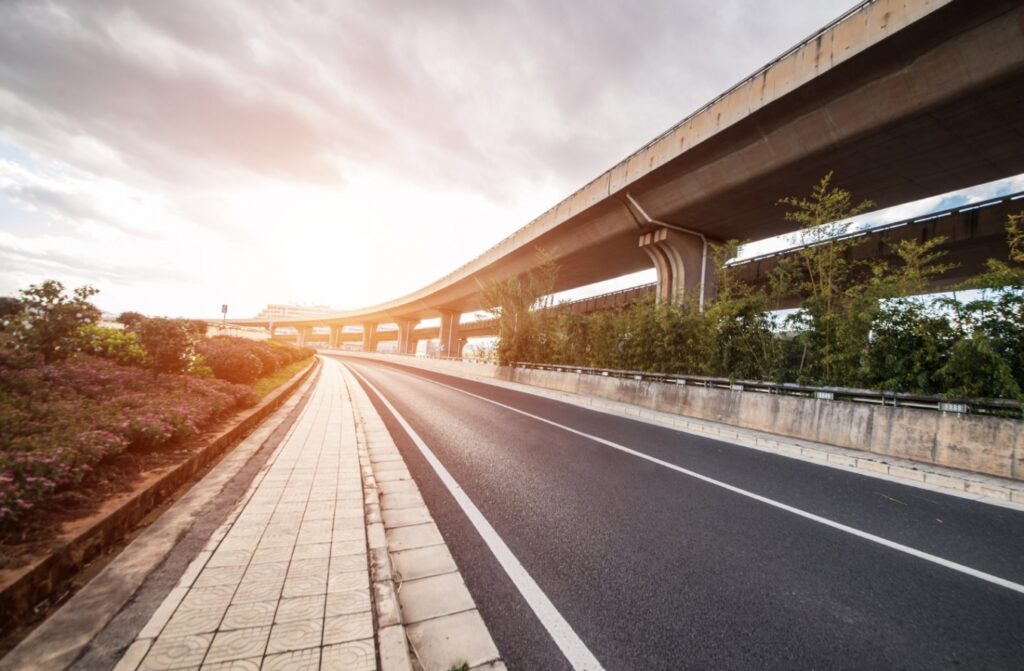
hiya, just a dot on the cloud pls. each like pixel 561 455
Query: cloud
pixel 463 91
pixel 181 144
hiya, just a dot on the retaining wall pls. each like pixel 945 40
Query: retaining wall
pixel 968 442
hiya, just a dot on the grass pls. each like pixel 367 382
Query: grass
pixel 265 385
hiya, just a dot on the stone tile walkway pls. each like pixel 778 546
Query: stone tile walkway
pixel 284 582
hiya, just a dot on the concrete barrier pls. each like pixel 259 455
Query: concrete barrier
pixel 990 445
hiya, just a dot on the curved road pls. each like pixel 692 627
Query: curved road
pixel 696 553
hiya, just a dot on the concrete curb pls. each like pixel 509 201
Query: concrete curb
pixel 964 484
pixel 427 620
pixel 39 581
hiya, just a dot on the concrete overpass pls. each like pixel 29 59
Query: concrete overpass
pixel 903 99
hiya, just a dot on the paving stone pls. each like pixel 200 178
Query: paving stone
pixel 305 567
pixel 340 548
pixel 404 517
pixel 446 641
pixel 247 615
pixel 297 635
pixel 304 586
pixel 163 613
pixel 300 608
pixel 349 656
pixel 268 571
pixel 345 628
pixel 423 562
pixel 238 644
pixel 296 660
pixel 391 487
pixel 257 590
pixel 175 652
pixel 346 563
pixel 421 535
pixel 393 649
pixel 404 500
pixel 342 582
pixel 198 621
pixel 234 665
pixel 273 554
pixel 206 597
pixel 133 655
pixel 312 551
pixel 194 569
pixel 433 597
pixel 222 575
pixel 230 558
pixel 348 602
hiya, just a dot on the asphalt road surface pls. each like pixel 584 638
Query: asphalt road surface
pixel 654 568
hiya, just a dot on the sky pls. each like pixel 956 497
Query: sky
pixel 179 156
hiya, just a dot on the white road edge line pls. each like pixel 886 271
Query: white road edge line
pixel 574 649
pixel 967 570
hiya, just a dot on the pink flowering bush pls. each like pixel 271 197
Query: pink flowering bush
pixel 244 361
pixel 57 421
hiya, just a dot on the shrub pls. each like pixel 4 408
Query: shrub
pixel 58 421
pixel 49 321
pixel 120 346
pixel 243 361
pixel 234 364
pixel 170 343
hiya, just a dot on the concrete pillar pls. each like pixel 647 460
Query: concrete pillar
pixel 370 337
pixel 449 333
pixel 302 335
pixel 678 258
pixel 335 339
pixel 406 342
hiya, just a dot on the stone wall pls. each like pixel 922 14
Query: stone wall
pixel 969 442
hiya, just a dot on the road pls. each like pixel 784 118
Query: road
pixel 766 562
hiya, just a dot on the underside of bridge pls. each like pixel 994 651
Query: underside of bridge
pixel 901 99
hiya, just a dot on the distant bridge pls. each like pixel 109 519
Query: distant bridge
pixel 903 99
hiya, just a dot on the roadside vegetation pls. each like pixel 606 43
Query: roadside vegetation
pixel 74 394
pixel 858 323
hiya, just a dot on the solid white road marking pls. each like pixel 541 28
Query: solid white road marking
pixel 574 649
pixel 967 570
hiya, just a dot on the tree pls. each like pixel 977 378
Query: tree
pixel 170 343
pixel 9 306
pixel 822 271
pixel 131 319
pixel 49 321
pixel 520 304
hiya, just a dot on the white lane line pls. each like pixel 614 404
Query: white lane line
pixel 574 649
pixel 967 570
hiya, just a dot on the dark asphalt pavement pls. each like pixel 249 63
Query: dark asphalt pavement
pixel 654 569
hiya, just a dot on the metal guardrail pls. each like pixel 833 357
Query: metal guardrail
pixel 881 228
pixel 991 407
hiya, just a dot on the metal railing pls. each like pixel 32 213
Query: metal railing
pixel 875 229
pixel 976 406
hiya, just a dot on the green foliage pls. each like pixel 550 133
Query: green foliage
pixel 519 304
pixel 244 361
pixel 131 319
pixel 170 344
pixel 122 347
pixel 49 321
pixel 9 306
pixel 855 325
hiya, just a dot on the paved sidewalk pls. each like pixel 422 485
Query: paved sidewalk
pixel 284 582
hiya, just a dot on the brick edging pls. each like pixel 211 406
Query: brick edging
pixel 40 580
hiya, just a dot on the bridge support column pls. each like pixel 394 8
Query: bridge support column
pixel 370 337
pixel 683 270
pixel 449 333
pixel 406 342
pixel 335 340
pixel 302 334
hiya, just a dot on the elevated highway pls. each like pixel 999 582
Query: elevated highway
pixel 903 99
